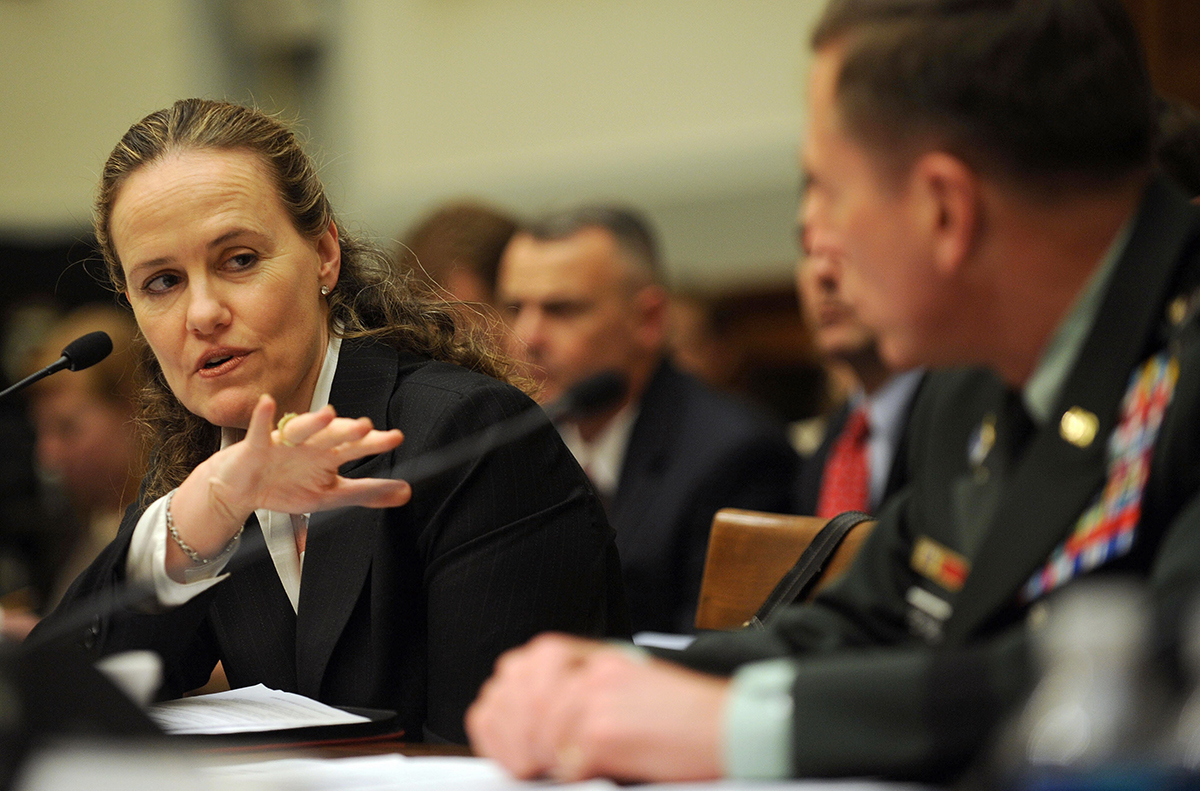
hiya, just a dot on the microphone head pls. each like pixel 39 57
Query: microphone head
pixel 594 394
pixel 87 350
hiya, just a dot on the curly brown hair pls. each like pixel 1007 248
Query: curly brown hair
pixel 372 299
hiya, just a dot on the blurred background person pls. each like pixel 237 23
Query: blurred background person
pixel 860 461
pixel 86 440
pixel 31 537
pixel 456 248
pixel 1177 145
pixel 698 340
pixel 582 293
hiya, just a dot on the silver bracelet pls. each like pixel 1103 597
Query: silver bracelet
pixel 188 550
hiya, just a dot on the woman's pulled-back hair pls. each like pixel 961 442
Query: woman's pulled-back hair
pixel 371 298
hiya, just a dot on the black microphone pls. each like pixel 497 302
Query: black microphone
pixel 592 395
pixel 83 352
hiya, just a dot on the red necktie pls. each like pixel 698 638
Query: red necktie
pixel 845 486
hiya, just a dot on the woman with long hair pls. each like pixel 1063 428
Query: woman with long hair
pixel 283 359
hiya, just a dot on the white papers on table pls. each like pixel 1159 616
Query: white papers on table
pixel 675 642
pixel 397 773
pixel 112 767
pixel 246 710
pixel 384 773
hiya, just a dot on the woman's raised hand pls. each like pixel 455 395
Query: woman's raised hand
pixel 291 469
pixel 295 470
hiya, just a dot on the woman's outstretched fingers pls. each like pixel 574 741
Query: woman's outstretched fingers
pixel 372 443
pixel 372 493
pixel 261 420
pixel 293 429
pixel 339 432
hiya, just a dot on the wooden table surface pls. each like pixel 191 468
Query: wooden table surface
pixel 343 748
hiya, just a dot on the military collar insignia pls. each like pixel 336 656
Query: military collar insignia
pixel 980 445
pixel 1078 426
pixel 1180 312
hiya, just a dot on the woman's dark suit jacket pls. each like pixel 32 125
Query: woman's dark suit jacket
pixel 405 608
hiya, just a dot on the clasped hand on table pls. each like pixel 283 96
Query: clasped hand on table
pixel 570 709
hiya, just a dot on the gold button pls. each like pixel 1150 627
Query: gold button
pixel 1177 311
pixel 1078 426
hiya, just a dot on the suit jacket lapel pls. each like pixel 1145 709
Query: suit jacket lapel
pixel 812 470
pixel 254 617
pixel 341 543
pixel 647 453
pixel 1055 480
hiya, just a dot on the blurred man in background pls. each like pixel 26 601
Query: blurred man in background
pixel 860 461
pixel 582 293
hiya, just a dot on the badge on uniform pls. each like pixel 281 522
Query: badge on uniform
pixel 1106 529
pixel 945 568
pixel 939 564
pixel 926 613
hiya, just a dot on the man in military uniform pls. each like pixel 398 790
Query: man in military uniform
pixel 985 164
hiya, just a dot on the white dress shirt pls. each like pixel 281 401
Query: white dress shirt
pixel 603 457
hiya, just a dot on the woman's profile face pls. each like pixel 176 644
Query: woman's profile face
pixel 223 286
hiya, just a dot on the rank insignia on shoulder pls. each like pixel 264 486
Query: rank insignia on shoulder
pixel 939 564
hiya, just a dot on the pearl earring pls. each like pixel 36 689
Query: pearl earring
pixel 324 291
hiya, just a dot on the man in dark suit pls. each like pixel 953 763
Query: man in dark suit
pixel 581 293
pixel 860 461
pixel 985 165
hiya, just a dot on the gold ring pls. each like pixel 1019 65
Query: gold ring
pixel 283 421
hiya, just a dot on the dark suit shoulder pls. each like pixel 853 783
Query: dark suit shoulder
pixel 416 372
pixel 425 388
pixel 713 422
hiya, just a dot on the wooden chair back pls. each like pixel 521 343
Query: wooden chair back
pixel 748 554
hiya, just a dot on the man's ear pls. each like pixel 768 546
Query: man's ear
pixel 949 193
pixel 329 253
pixel 650 303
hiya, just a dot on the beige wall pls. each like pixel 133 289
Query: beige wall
pixel 689 108
pixel 76 73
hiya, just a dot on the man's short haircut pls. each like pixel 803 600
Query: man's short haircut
pixel 1024 88
pixel 630 229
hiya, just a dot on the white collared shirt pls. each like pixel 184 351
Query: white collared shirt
pixel 147 559
pixel 603 457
